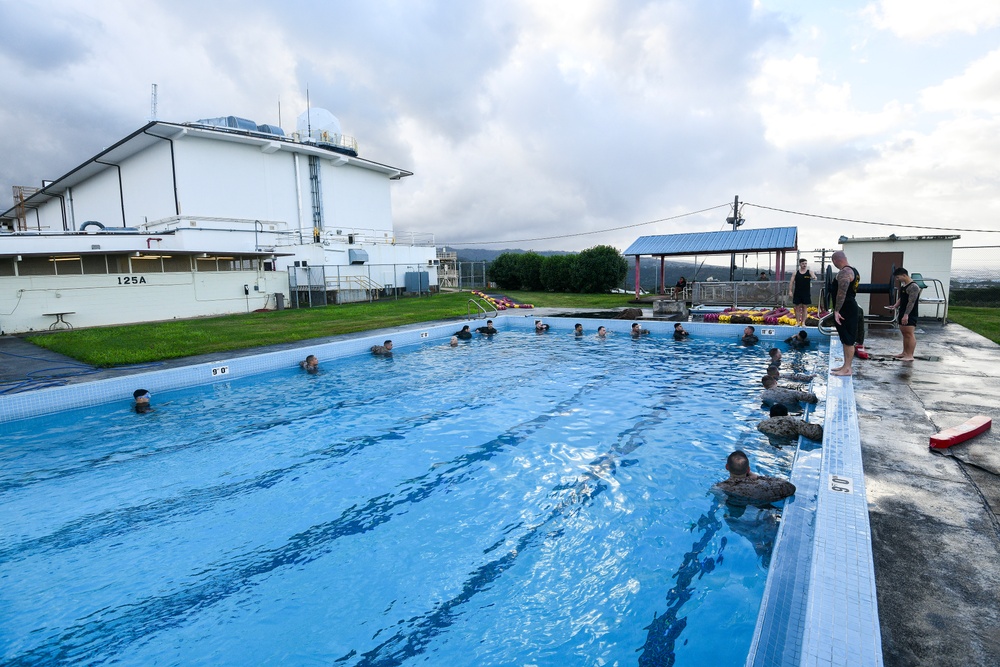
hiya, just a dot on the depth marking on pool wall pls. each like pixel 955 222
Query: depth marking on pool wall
pixel 767 332
pixel 220 370
pixel 841 484
pixel 423 334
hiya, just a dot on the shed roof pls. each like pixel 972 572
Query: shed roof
pixel 711 243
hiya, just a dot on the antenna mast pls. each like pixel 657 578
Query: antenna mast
pixel 152 104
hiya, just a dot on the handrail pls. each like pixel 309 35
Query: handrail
pixel 477 304
pixel 825 329
pixel 937 301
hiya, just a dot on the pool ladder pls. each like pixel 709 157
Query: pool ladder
pixel 481 312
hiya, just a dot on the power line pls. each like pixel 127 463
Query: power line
pixel 870 222
pixel 599 231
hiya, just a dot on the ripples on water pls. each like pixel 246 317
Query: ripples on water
pixel 522 500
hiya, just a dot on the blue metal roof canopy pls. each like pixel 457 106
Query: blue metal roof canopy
pixel 716 243
pixel 774 239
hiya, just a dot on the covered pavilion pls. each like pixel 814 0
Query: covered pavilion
pixel 778 240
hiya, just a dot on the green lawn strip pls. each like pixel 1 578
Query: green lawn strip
pixel 157 341
pixel 984 321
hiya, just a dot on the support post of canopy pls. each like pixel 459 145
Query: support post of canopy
pixel 663 259
pixel 637 277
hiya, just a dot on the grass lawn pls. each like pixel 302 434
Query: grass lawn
pixel 156 341
pixel 984 321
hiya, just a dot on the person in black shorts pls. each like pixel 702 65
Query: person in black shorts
pixel 798 289
pixel 906 310
pixel 845 309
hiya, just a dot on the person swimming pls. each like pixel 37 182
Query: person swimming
pixel 141 397
pixel 310 365
pixel 743 483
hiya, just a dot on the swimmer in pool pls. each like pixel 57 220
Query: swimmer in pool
pixel 749 337
pixel 747 485
pixel 779 424
pixel 488 329
pixel 383 350
pixel 541 327
pixel 775 355
pixel 142 397
pixel 578 330
pixel 464 334
pixel 774 394
pixel 679 332
pixel 602 332
pixel 310 365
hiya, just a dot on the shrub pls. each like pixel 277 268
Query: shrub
pixel 557 273
pixel 505 271
pixel 599 269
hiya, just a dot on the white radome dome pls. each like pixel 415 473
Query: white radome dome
pixel 318 121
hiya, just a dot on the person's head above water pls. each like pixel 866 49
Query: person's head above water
pixel 738 464
pixel 775 354
pixel 454 341
pixel 388 344
pixel 779 410
pixel 141 396
pixel 602 331
pixel 748 331
pixel 802 335
pixel 768 382
pixel 773 371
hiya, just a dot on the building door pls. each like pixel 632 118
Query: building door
pixel 883 264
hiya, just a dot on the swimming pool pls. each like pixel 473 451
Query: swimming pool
pixel 521 500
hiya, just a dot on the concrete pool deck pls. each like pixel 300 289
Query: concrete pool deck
pixel 936 537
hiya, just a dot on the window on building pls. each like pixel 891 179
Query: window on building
pixel 177 263
pixel 36 266
pixel 94 264
pixel 68 266
pixel 118 264
pixel 6 266
pixel 143 264
pixel 206 264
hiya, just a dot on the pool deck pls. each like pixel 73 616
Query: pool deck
pixel 933 513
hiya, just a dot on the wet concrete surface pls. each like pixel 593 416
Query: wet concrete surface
pixel 934 513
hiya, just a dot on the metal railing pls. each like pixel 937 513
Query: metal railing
pixel 483 313
pixel 322 284
pixel 740 294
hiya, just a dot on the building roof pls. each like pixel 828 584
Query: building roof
pixel 717 243
pixel 157 131
pixel 893 237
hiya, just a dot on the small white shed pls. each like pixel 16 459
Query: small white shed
pixel 876 257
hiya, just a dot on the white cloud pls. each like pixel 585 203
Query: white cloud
pixel 921 19
pixel 799 108
pixel 977 89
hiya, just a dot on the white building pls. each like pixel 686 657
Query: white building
pixel 876 257
pixel 205 218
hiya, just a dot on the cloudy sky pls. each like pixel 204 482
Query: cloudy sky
pixel 555 118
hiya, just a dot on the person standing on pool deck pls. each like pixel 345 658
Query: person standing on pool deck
pixel 798 289
pixel 745 484
pixel 906 309
pixel 383 350
pixel 845 309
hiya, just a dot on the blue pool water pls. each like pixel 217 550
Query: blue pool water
pixel 525 500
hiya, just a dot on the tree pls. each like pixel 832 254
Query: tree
pixel 557 273
pixel 599 270
pixel 530 271
pixel 505 270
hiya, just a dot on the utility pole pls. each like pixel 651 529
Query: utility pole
pixel 736 221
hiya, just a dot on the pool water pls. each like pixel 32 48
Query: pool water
pixel 521 500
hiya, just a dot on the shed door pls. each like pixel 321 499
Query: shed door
pixel 883 264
